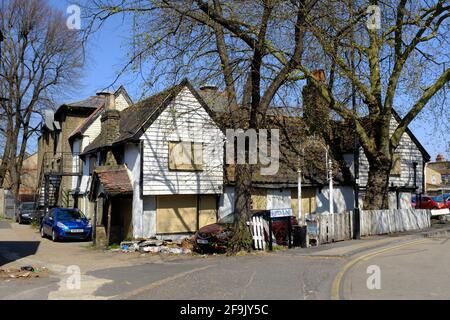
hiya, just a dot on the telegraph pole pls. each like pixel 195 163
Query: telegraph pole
pixel 356 211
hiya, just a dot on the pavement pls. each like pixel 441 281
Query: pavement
pixel 411 265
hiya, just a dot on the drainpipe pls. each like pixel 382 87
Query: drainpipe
pixel 299 198
pixel 424 184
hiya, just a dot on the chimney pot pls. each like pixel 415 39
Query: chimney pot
pixel 209 87
pixel 110 99
pixel 319 75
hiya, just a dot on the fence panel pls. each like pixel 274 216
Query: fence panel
pixel 335 227
pixel 339 226
pixel 375 222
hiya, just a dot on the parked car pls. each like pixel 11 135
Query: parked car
pixel 427 202
pixel 215 237
pixel 26 212
pixel 65 223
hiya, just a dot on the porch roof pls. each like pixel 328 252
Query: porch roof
pixel 114 180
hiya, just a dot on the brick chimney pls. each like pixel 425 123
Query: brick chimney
pixel 315 108
pixel 110 122
pixel 440 157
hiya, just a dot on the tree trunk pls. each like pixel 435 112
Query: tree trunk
pixel 377 189
pixel 6 158
pixel 241 239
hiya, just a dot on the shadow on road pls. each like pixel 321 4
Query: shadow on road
pixel 14 250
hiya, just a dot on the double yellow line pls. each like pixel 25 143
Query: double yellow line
pixel 335 289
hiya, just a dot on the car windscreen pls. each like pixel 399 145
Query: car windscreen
pixel 27 206
pixel 437 199
pixel 69 215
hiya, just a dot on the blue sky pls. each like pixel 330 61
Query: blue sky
pixel 107 51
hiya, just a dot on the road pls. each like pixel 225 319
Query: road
pixel 411 266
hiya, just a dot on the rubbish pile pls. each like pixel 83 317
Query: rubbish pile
pixel 154 245
pixel 22 272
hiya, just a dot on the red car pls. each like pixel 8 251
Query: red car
pixel 426 202
pixel 214 237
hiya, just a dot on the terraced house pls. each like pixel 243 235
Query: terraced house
pixel 156 168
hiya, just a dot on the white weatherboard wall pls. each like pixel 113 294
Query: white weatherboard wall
pixel 132 159
pixel 75 162
pixel 226 202
pixel 183 120
pixel 278 199
pixel 343 199
pixel 409 153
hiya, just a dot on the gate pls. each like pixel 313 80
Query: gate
pixel 335 227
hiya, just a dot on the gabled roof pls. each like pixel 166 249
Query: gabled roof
pixel 347 134
pixel 425 154
pixel 86 123
pixel 84 106
pixel 137 118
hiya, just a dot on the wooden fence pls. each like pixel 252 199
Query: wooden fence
pixel 339 226
pixel 375 222
pixel 257 229
pixel 335 227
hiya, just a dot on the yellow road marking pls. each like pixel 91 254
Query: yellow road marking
pixel 337 280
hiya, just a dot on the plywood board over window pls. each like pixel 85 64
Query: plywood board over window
pixel 179 214
pixel 208 210
pixel 175 214
pixel 185 155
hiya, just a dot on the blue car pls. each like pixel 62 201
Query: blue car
pixel 66 223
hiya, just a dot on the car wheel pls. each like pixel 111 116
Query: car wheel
pixel 41 230
pixel 54 236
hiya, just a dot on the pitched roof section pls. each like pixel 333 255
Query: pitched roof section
pixel 89 120
pixel 91 102
pixel 137 118
pixel 115 180
pixel 425 154
pixel 86 123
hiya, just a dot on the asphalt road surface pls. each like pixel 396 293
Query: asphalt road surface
pixel 411 266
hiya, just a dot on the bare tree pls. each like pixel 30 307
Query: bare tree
pixel 40 57
pixel 398 64
pixel 252 48
pixel 258 50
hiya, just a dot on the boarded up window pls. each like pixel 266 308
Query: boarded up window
pixel 178 213
pixel 185 156
pixel 396 165
pixel 207 210
pixel 259 199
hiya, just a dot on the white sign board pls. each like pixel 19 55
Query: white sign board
pixel 279 213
